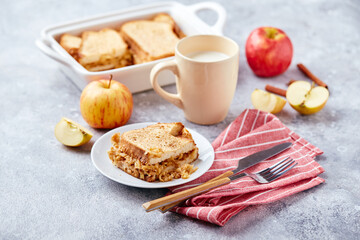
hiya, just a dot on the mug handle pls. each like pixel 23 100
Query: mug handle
pixel 220 10
pixel 170 97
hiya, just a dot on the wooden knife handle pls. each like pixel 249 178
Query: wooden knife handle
pixel 223 175
pixel 169 206
pixel 165 208
pixel 180 196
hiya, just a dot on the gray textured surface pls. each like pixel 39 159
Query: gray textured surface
pixel 48 191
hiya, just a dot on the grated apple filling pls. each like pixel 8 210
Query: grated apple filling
pixel 172 168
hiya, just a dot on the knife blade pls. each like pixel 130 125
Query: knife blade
pixel 255 158
pixel 243 164
pixel 168 202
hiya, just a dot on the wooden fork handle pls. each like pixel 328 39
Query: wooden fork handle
pixel 180 196
pixel 169 206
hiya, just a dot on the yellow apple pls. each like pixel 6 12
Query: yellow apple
pixel 106 104
pixel 305 98
pixel 71 133
pixel 266 101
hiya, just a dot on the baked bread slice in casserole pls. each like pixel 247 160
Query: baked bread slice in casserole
pixel 103 50
pixel 160 152
pixel 71 44
pixel 149 40
pixel 166 18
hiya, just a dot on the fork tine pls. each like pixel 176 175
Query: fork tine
pixel 281 173
pixel 284 166
pixel 272 167
pixel 281 167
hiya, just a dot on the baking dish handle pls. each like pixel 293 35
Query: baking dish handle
pixel 220 22
pixel 48 51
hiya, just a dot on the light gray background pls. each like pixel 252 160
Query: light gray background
pixel 48 191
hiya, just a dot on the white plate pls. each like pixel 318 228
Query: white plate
pixel 103 163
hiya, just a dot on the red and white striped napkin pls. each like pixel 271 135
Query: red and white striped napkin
pixel 251 132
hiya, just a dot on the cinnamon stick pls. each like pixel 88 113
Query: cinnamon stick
pixel 275 90
pixel 311 75
pixel 291 81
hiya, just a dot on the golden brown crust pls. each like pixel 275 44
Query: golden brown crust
pixel 164 17
pixel 138 56
pixel 158 139
pixel 170 144
pixel 104 47
pixel 71 44
pixel 156 39
pixel 149 40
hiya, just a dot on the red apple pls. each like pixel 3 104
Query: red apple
pixel 268 51
pixel 106 104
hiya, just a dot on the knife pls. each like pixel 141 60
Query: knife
pixel 243 164
pixel 167 202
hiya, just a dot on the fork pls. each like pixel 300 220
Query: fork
pixel 264 176
pixel 271 173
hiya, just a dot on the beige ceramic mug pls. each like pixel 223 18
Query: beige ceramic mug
pixel 206 69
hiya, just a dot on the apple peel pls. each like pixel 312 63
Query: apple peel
pixel 305 98
pixel 71 133
pixel 268 51
pixel 268 102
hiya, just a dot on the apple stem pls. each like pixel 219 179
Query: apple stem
pixel 271 32
pixel 111 76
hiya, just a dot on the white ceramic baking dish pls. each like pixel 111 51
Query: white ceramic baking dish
pixel 135 77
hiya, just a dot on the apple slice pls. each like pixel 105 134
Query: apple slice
pixel 305 98
pixel 71 133
pixel 266 101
